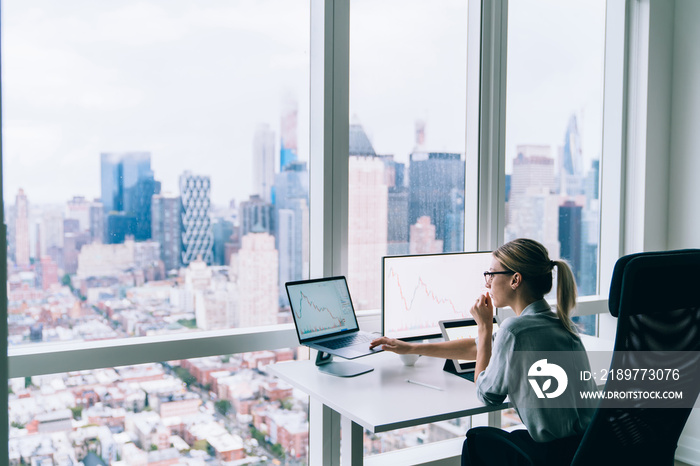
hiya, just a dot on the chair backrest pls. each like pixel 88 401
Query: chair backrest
pixel 657 303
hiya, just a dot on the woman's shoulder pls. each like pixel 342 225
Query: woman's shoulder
pixel 530 322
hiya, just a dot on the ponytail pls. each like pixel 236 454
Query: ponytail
pixel 566 294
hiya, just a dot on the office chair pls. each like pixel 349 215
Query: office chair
pixel 656 299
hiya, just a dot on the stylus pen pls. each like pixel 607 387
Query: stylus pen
pixel 424 385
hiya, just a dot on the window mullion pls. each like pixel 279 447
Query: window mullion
pixel 612 163
pixel 492 123
pixel 329 134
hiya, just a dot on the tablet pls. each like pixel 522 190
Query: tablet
pixel 462 328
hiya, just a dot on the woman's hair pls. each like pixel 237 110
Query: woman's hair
pixel 531 260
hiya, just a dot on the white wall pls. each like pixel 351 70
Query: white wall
pixel 684 169
pixel 684 195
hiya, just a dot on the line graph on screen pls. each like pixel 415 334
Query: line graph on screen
pixel 421 290
pixel 408 299
pixel 330 307
pixel 306 305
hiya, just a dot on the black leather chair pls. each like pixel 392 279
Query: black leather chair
pixel 656 299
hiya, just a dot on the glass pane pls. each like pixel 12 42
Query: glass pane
pixel 200 411
pixel 554 130
pixel 155 164
pixel 407 135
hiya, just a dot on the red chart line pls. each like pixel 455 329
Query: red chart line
pixel 421 285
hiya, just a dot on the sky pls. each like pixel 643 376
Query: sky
pixel 190 81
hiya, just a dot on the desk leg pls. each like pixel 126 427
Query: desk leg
pixel 351 443
pixel 495 419
pixel 324 435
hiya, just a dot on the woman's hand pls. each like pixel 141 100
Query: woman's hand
pixel 482 311
pixel 392 344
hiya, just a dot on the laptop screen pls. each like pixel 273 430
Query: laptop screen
pixel 321 307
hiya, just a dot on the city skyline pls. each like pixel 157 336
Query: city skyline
pixel 62 109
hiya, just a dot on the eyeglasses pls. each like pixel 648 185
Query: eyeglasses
pixel 488 276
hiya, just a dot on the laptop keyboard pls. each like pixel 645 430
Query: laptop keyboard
pixel 348 341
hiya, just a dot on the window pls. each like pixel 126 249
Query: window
pixel 155 168
pixel 214 409
pixel 407 135
pixel 554 131
pixel 152 153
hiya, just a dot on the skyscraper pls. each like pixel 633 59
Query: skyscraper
pixel 165 227
pixel 97 221
pixel 196 232
pixel 533 167
pixel 49 272
pixel 367 219
pixel 591 232
pixel 111 185
pixel 592 189
pixel 78 209
pixel 292 224
pixel 288 136
pixel 570 235
pixel 533 205
pixel 257 280
pixel 256 214
pixel 74 238
pixel 423 238
pixel 571 166
pixel 454 222
pixel 397 205
pixel 264 161
pixel 21 229
pixel 128 184
pixel 51 228
pixel 222 230
pixel 120 225
pixel 433 176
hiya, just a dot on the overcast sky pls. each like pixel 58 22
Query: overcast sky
pixel 190 81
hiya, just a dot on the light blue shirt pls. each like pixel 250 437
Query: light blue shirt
pixel 537 333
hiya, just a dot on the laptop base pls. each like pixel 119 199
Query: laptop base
pixel 325 364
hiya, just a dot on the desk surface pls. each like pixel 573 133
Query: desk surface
pixel 382 400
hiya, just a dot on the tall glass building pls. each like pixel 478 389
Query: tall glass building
pixel 433 177
pixel 128 184
pixel 196 230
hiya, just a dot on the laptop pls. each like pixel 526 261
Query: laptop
pixel 325 318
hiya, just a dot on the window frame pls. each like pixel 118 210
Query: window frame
pixel 329 120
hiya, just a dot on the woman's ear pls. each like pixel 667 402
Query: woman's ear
pixel 515 281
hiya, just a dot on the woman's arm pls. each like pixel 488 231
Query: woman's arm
pixel 464 348
pixel 482 311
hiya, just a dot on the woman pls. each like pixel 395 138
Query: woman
pixel 519 277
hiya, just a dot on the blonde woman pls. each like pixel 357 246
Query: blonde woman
pixel 519 277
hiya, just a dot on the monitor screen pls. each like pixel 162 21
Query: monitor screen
pixel 419 291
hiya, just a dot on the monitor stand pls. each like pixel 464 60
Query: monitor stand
pixel 325 363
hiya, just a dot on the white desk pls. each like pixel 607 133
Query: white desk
pixel 382 400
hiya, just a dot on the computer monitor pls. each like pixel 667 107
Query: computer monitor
pixel 418 291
